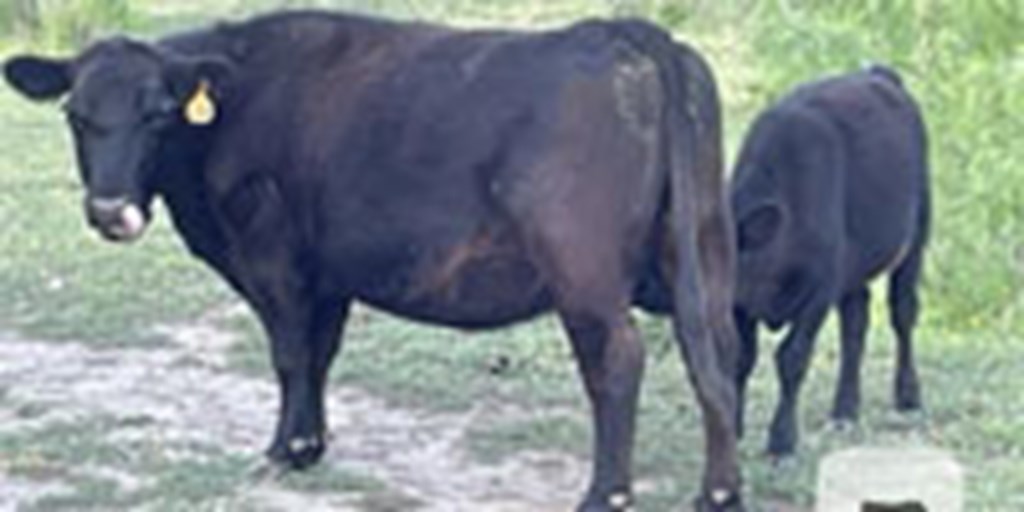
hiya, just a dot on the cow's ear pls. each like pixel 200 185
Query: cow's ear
pixel 199 85
pixel 38 78
pixel 759 226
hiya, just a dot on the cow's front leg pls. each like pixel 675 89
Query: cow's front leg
pixel 304 338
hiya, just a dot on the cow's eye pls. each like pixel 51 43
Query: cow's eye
pixel 78 122
pixel 160 113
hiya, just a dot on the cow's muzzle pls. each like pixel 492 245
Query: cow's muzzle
pixel 117 220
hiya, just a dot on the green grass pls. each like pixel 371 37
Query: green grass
pixel 58 280
pixel 372 494
pixel 971 384
pixel 378 351
pixel 963 60
pixel 91 463
pixel 73 452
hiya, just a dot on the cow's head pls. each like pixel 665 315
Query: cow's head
pixel 122 99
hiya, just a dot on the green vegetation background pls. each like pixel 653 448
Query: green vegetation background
pixel 963 59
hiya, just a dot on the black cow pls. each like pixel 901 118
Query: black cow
pixel 830 191
pixel 464 178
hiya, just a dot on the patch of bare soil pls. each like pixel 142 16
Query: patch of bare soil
pixel 14 491
pixel 416 454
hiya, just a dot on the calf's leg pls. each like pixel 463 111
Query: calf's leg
pixel 903 309
pixel 792 360
pixel 853 311
pixel 747 330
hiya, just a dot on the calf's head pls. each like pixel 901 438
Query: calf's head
pixel 123 98
pixel 762 274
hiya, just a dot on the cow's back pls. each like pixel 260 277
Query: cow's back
pixel 467 137
pixel 402 161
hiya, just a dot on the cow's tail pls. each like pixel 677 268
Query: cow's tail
pixel 701 248
pixel 691 150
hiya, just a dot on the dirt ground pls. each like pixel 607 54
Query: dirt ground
pixel 186 397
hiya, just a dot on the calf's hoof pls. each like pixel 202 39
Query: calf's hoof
pixel 782 439
pixel 297 452
pixel 908 400
pixel 719 500
pixel 782 466
pixel 907 391
pixel 843 425
pixel 780 449
pixel 845 411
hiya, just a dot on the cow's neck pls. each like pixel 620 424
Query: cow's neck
pixel 181 161
pixel 182 187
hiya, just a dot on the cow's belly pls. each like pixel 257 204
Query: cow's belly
pixel 479 283
pixel 871 257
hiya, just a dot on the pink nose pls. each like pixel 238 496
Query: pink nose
pixel 116 219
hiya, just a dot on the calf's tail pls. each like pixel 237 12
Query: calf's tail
pixel 885 72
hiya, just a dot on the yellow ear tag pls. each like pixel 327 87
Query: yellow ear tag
pixel 200 109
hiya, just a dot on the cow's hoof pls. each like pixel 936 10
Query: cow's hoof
pixel 297 452
pixel 616 502
pixel 719 500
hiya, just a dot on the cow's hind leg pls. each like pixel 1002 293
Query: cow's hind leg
pixel 903 308
pixel 610 357
pixel 853 311
pixel 592 298
pixel 304 338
